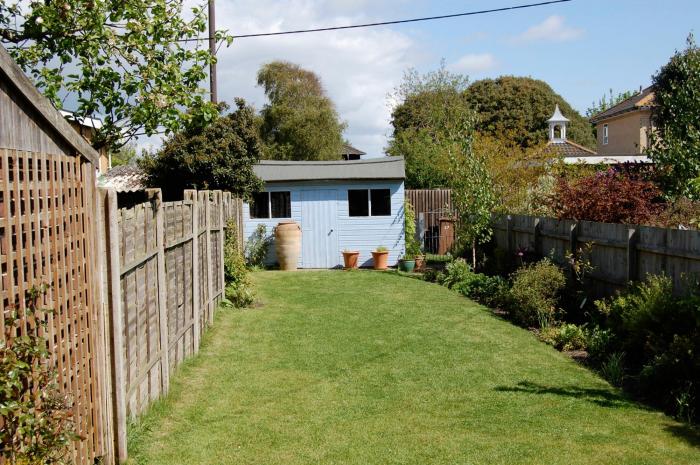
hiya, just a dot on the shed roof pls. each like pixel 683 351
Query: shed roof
pixel 55 122
pixel 644 100
pixel 376 168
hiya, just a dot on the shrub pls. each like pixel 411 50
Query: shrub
pixel 535 293
pixel 238 286
pixel 613 369
pixel 607 197
pixel 565 337
pixel 36 419
pixel 485 289
pixel 660 336
pixel 598 342
pixel 455 272
pixel 257 247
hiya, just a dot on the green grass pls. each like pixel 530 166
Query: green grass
pixel 373 368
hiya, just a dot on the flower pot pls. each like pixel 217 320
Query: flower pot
pixel 288 244
pixel 380 260
pixel 350 259
pixel 407 265
pixel 420 262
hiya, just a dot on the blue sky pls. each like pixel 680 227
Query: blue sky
pixel 581 48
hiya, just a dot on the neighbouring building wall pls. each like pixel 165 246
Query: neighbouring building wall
pixel 323 206
pixel 627 134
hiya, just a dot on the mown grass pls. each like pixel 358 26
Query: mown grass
pixel 372 368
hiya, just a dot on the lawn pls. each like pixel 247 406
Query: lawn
pixel 372 368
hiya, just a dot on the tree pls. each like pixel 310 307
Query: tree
pixel 675 140
pixel 135 65
pixel 126 155
pixel 427 110
pixel 300 121
pixel 607 197
pixel 607 102
pixel 517 108
pixel 220 156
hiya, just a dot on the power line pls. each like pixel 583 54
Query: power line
pixel 387 23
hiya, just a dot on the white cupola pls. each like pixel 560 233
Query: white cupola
pixel 557 121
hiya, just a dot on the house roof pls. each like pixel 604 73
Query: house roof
pixel 55 122
pixel 350 150
pixel 86 122
pixel 566 149
pixel 377 168
pixel 644 100
pixel 126 178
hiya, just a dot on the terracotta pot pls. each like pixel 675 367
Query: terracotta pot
pixel 380 260
pixel 350 259
pixel 288 244
pixel 420 262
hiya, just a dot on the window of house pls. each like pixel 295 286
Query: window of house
pixel 605 134
pixel 271 205
pixel 369 202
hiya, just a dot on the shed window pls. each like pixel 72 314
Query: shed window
pixel 605 134
pixel 271 205
pixel 369 202
pixel 358 202
pixel 381 202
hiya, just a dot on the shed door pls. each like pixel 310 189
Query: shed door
pixel 319 235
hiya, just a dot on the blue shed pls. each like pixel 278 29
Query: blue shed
pixel 340 205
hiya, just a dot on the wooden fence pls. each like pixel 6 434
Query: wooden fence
pixel 47 237
pixel 620 253
pixel 163 277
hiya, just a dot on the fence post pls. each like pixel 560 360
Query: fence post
pixel 510 239
pixel 113 270
pixel 632 265
pixel 196 298
pixel 222 239
pixel 156 196
pixel 210 273
pixel 537 237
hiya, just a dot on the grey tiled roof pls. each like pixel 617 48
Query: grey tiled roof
pixel 568 149
pixel 642 100
pixel 350 150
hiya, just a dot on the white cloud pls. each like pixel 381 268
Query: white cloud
pixel 474 63
pixel 358 68
pixel 551 29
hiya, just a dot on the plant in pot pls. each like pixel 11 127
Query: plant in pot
pixel 350 258
pixel 407 263
pixel 380 257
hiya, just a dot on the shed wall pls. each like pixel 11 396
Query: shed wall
pixel 354 233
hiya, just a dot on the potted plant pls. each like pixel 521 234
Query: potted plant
pixel 407 263
pixel 350 258
pixel 381 257
pixel 420 262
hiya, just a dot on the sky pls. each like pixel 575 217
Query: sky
pixel 581 49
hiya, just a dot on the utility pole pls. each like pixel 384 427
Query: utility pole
pixel 212 50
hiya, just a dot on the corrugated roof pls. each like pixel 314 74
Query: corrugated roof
pixel 376 168
pixel 127 178
pixel 641 101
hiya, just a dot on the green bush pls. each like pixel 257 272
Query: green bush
pixel 238 286
pixel 257 247
pixel 659 333
pixel 564 337
pixel 535 293
pixel 455 272
pixel 37 421
pixel 488 290
pixel 598 342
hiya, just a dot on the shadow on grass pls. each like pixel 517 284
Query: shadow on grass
pixel 687 433
pixel 602 397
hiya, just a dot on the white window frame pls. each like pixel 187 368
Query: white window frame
pixel 606 134
pixel 369 202
pixel 269 208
